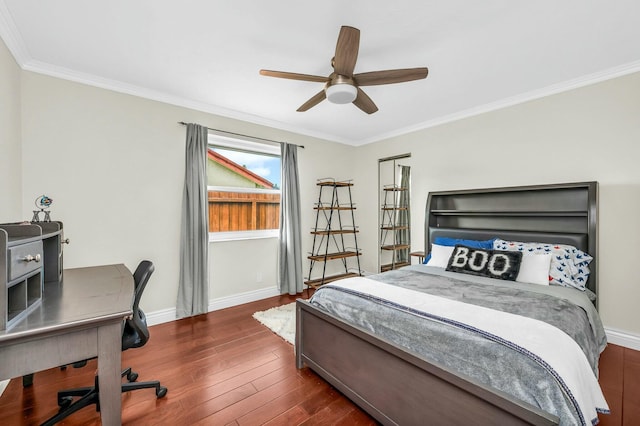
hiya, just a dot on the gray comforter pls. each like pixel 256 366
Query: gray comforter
pixel 470 353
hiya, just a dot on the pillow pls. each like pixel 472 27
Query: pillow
pixel 534 269
pixel 569 265
pixel 500 264
pixel 439 256
pixel 451 242
pixel 582 273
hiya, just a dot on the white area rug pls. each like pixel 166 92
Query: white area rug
pixel 281 320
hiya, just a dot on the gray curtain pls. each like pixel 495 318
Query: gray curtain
pixel 193 288
pixel 290 278
pixel 403 236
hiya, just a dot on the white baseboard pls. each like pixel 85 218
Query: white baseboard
pixel 239 299
pixel 3 385
pixel 623 338
pixel 166 315
pixel 159 317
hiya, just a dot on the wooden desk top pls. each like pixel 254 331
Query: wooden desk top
pixel 86 297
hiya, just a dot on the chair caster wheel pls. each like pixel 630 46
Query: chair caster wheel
pixel 64 402
pixel 80 364
pixel 161 392
pixel 132 376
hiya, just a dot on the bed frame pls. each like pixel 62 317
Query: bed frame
pixel 396 386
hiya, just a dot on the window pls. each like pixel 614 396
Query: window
pixel 243 179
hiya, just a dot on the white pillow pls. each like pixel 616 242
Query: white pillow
pixel 534 269
pixel 440 255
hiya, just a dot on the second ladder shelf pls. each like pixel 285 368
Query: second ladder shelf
pixel 394 229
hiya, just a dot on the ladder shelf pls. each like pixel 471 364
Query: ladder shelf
pixel 394 228
pixel 333 234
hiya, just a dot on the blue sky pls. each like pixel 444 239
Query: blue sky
pixel 266 166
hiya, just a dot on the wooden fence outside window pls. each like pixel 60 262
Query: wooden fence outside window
pixel 243 211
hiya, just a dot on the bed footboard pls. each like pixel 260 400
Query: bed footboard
pixel 397 387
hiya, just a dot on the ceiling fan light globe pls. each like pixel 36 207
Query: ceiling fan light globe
pixel 342 93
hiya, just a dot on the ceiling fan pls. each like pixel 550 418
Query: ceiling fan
pixel 342 86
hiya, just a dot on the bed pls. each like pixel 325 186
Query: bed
pixel 398 381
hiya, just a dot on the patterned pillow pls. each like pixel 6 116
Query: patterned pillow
pixel 500 264
pixel 569 265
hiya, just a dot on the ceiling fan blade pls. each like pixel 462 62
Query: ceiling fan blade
pixel 390 76
pixel 365 103
pixel 315 100
pixel 294 76
pixel 347 47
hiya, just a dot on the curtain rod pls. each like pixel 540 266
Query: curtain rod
pixel 395 157
pixel 240 134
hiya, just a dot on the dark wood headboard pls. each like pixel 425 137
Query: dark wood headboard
pixel 558 213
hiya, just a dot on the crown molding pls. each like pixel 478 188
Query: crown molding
pixel 117 86
pixel 13 39
pixel 11 36
pixel 129 89
pixel 565 86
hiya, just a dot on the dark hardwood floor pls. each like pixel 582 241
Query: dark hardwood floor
pixel 620 383
pixel 225 368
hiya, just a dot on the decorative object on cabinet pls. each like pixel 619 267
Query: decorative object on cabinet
pixel 30 257
pixel 395 213
pixel 42 202
pixel 333 233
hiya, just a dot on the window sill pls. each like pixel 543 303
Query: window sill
pixel 215 237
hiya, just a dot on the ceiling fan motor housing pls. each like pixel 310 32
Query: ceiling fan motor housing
pixel 341 90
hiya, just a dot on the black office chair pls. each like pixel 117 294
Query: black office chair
pixel 135 334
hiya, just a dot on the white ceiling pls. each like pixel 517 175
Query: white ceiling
pixel 206 55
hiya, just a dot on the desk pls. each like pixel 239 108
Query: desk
pixel 79 318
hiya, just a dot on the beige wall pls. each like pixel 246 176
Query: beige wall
pixel 10 153
pixel 592 133
pixel 114 165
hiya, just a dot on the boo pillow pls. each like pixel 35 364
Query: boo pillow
pixel 503 265
pixel 534 268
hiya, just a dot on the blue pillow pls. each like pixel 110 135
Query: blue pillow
pixel 451 242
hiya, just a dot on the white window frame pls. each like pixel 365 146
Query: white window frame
pixel 243 144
